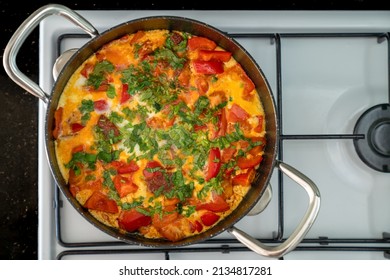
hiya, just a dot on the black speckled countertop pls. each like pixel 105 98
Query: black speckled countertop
pixel 19 109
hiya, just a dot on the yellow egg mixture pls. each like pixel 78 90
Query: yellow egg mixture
pixel 160 133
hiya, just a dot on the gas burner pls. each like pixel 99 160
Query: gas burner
pixel 374 149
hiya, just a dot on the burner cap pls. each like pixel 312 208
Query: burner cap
pixel 374 149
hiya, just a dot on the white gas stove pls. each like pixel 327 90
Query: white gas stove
pixel 325 69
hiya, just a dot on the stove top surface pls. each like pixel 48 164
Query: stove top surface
pixel 325 70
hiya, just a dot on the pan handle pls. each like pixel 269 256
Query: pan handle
pixel 296 237
pixel 21 34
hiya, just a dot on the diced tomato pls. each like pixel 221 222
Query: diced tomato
pixel 202 84
pixel 228 172
pixel 78 149
pixel 137 36
pixel 161 121
pixel 99 201
pixel 227 184
pixel 214 163
pixel 156 177
pixel 145 49
pixel 197 226
pixel 164 220
pixel 124 167
pixel 185 76
pixel 77 183
pixel 259 126
pixel 222 123
pixel 129 167
pixel 171 204
pixel 124 185
pixel 176 230
pixel 244 179
pixel 151 169
pixel 214 55
pixel 87 69
pixel 132 220
pixel 208 67
pixel 245 163
pixel 237 113
pixel 227 154
pixel 218 204
pixel 76 127
pixel 57 122
pixel 124 93
pixel 209 218
pixel 252 159
pixel 76 179
pixel 220 128
pixel 198 127
pixel 100 105
pixel 203 43
pixel 249 86
pixel 260 141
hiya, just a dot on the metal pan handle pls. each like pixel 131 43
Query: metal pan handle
pixel 21 34
pixel 296 237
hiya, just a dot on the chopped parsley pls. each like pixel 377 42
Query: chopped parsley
pixel 81 158
pixel 96 78
pixel 87 106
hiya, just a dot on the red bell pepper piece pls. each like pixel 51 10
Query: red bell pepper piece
pixel 259 126
pixel 244 179
pixel 209 218
pixel 214 163
pixel 76 127
pixel 129 167
pixel 124 93
pixel 124 185
pixel 208 67
pixel 254 158
pixel 157 177
pixel 214 55
pixel 99 201
pixel 87 69
pixel 132 220
pixel 227 154
pixel 78 149
pixel 57 122
pixel 197 226
pixel 237 113
pixel 245 163
pixel 222 123
pixel 149 172
pixel 201 43
pixel 218 204
pixel 248 86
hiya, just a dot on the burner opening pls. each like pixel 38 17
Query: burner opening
pixel 379 137
pixel 374 149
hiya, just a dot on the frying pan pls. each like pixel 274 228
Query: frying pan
pixel 195 27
